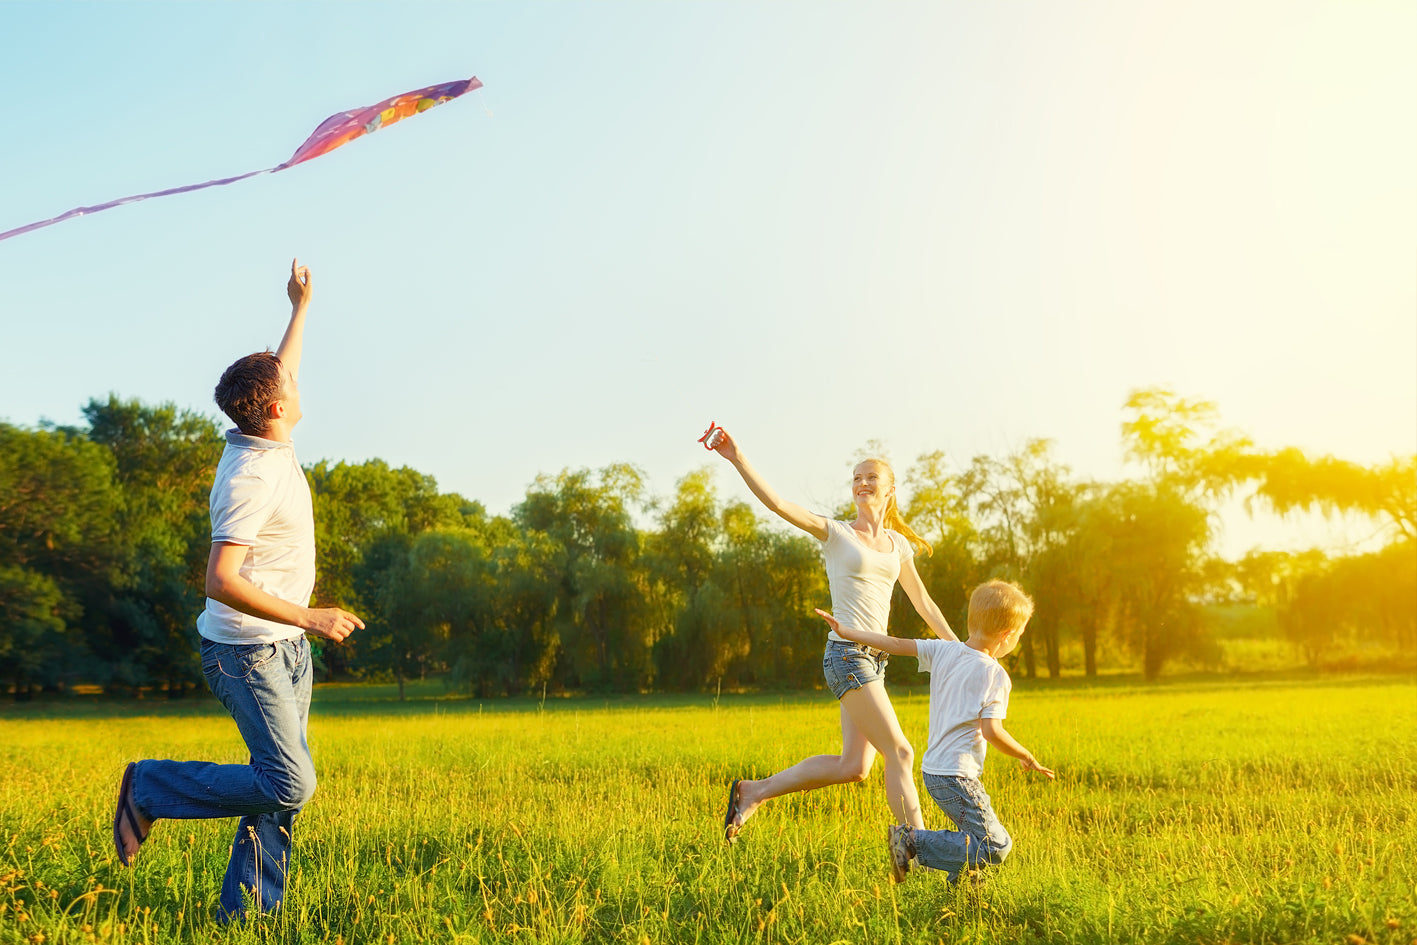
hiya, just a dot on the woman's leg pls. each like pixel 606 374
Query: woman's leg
pixel 874 717
pixel 853 764
pixel 867 720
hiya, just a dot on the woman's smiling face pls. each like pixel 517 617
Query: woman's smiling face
pixel 872 483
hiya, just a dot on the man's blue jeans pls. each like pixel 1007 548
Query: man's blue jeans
pixel 980 840
pixel 266 688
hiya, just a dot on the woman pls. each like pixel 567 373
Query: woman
pixel 864 560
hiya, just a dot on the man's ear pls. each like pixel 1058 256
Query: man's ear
pixel 276 410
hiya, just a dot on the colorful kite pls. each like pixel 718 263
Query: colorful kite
pixel 334 131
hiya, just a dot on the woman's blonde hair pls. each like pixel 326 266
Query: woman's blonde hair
pixel 893 519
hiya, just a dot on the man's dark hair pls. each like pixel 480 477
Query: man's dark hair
pixel 248 388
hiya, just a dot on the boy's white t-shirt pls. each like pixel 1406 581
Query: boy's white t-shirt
pixel 965 686
pixel 260 499
pixel 861 578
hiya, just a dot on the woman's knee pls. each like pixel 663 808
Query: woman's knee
pixel 854 769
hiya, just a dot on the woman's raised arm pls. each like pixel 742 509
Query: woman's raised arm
pixel 810 522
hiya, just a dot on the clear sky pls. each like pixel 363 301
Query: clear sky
pixel 949 226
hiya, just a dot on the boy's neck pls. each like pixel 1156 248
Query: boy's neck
pixel 989 647
pixel 982 645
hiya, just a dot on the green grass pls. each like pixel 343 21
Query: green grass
pixel 1283 811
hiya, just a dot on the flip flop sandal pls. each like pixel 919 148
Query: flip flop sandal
pixel 730 829
pixel 128 811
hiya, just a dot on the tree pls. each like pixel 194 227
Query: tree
pixel 361 506
pixel 164 461
pixel 1155 536
pixel 357 503
pixel 1181 442
pixel 1091 603
pixel 1357 602
pixel 770 582
pixel 34 628
pixel 58 516
pixel 1290 480
pixel 695 634
pixel 938 510
pixel 1025 506
pixel 1192 465
pixel 601 624
pixel 437 592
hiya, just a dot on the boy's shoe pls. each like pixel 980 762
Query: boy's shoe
pixel 898 842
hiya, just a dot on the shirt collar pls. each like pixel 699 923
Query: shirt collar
pixel 245 441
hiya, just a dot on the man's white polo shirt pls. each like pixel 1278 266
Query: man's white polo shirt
pixel 260 499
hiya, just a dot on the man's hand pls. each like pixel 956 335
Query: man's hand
pixel 332 623
pixel 1031 764
pixel 299 288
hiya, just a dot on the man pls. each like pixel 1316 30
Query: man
pixel 256 659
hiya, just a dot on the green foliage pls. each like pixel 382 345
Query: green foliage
pixel 104 537
pixel 1289 480
pixel 59 510
pixel 164 460
pixel 1355 603
pixel 34 615
pixel 600 615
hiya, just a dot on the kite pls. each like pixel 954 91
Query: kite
pixel 340 128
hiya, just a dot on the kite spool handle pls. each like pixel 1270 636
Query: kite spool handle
pixel 711 436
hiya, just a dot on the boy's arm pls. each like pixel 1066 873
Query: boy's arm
pixel 299 290
pixel 896 646
pixel 995 734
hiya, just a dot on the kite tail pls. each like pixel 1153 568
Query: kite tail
pixel 83 211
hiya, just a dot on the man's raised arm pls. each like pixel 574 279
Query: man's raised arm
pixel 299 290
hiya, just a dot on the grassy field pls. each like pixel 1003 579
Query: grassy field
pixel 1282 811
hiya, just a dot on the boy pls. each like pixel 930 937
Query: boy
pixel 969 699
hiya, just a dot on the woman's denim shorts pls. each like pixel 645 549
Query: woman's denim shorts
pixel 848 666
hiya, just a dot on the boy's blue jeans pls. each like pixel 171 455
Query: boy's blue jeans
pixel 266 688
pixel 980 840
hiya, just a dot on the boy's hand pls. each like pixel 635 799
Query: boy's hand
pixel 1031 764
pixel 298 289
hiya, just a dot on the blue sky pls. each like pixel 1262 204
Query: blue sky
pixel 941 226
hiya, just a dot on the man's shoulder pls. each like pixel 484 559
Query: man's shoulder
pixel 238 463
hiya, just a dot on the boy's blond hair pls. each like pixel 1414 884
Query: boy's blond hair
pixel 998 607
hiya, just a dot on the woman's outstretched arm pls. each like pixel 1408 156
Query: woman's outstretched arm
pixel 810 522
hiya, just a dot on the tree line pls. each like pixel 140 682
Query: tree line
pixel 592 583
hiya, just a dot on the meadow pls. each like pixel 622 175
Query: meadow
pixel 1278 810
